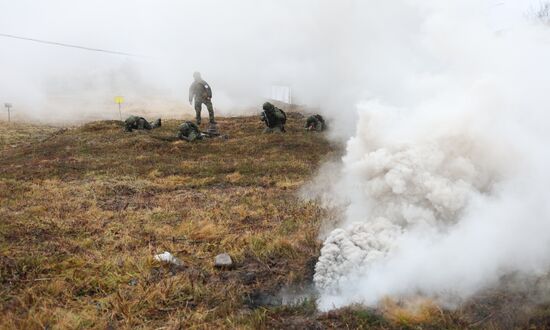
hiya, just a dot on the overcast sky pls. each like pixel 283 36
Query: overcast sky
pixel 242 47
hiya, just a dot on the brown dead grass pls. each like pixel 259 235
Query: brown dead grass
pixel 13 135
pixel 84 210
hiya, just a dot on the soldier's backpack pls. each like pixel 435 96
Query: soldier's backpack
pixel 282 116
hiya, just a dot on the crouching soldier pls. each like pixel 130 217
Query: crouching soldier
pixel 189 132
pixel 274 118
pixel 315 123
pixel 135 122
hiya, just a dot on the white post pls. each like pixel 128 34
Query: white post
pixel 8 106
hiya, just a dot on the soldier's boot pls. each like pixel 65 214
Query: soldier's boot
pixel 157 123
pixel 213 129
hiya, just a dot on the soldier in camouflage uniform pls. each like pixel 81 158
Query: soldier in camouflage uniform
pixel 140 123
pixel 189 132
pixel 202 93
pixel 315 123
pixel 274 119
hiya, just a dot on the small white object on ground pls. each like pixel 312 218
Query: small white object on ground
pixel 223 260
pixel 169 258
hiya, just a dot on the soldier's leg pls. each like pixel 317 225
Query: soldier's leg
pixel 147 125
pixel 198 107
pixel 157 123
pixel 210 111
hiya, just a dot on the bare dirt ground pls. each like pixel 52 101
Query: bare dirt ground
pixel 84 210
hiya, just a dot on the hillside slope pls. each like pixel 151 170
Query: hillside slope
pixel 84 210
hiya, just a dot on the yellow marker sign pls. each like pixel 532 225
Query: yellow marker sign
pixel 119 100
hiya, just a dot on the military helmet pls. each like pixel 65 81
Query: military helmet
pixel 268 106
pixel 197 75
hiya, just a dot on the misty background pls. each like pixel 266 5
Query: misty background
pixel 242 48
pixel 326 51
pixel 444 105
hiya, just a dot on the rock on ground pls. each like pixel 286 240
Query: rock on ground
pixel 223 261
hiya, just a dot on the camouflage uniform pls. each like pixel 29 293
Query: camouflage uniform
pixel 140 123
pixel 189 132
pixel 315 123
pixel 202 93
pixel 274 118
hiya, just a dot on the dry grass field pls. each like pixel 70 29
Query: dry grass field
pixel 84 210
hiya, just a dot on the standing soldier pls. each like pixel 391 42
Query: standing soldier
pixel 274 118
pixel 202 93
pixel 315 123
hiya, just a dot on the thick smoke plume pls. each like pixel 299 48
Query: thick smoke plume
pixel 444 186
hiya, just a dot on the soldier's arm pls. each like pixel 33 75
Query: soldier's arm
pixel 208 90
pixel 193 135
pixel 182 137
pixel 191 92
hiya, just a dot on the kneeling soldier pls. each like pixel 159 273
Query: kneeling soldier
pixel 315 123
pixel 274 118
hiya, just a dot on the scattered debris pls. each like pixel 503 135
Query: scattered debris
pixel 169 258
pixel 258 299
pixel 223 261
pixel 54 134
pixel 248 278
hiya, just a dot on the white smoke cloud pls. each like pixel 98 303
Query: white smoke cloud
pixel 444 184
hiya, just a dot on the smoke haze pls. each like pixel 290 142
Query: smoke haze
pixel 444 181
pixel 241 47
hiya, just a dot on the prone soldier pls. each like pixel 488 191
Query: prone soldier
pixel 140 123
pixel 189 132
